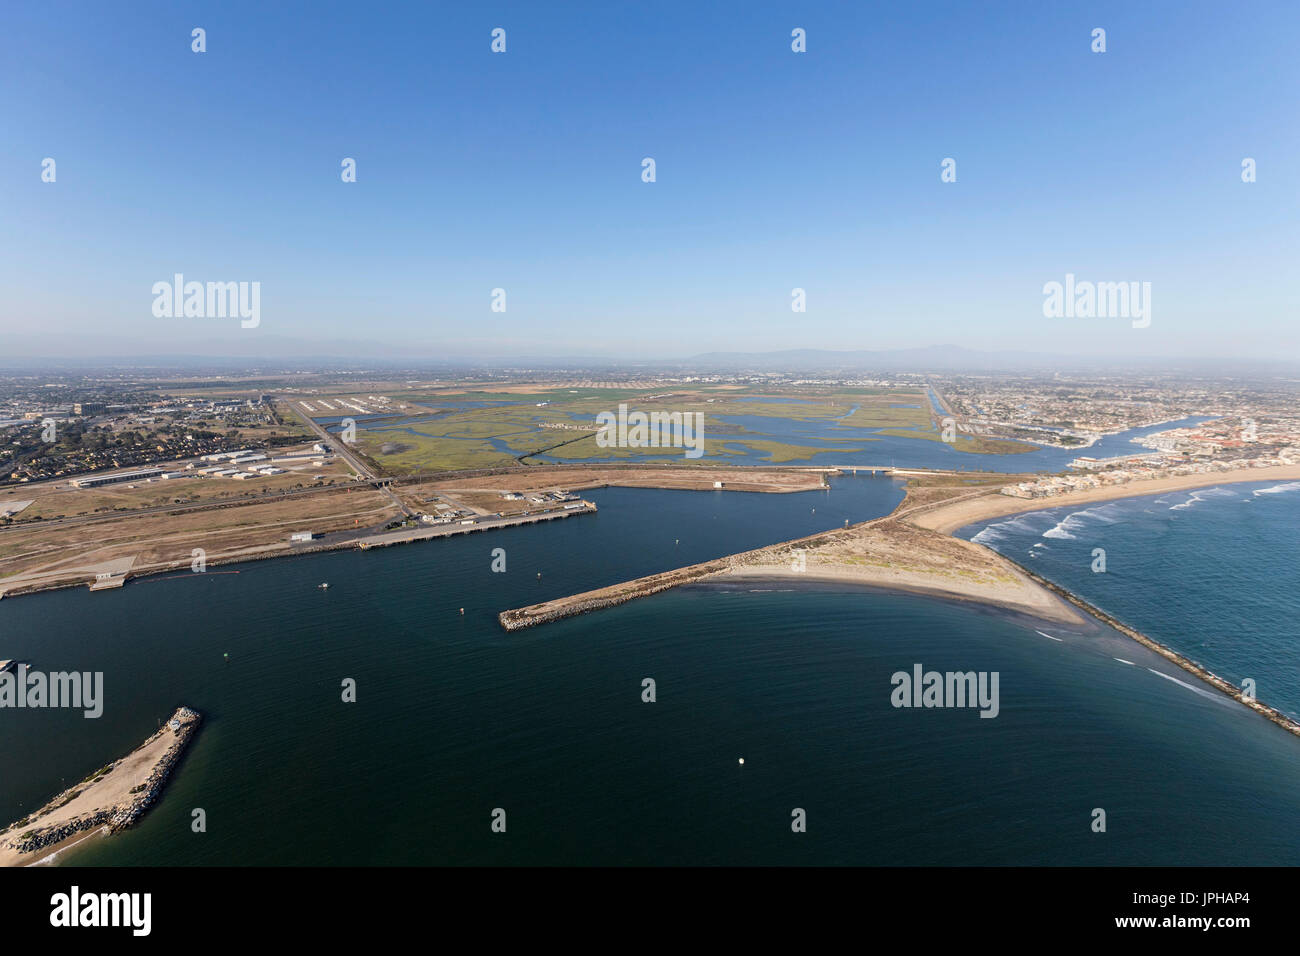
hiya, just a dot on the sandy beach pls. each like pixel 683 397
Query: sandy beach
pixel 948 518
pixel 885 553
pixel 910 550
pixel 913 550
pixel 111 798
pixel 1014 592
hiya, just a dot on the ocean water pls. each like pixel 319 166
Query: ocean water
pixel 1213 573
pixel 455 718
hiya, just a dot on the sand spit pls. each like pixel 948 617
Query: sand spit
pixel 884 553
pixel 913 550
pixel 110 799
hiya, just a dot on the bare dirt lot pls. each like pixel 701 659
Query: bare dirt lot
pixel 37 557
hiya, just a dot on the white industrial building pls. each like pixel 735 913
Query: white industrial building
pixel 92 481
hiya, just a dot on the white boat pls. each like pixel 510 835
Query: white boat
pixel 322 586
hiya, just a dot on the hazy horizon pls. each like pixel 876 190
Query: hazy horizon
pixel 935 360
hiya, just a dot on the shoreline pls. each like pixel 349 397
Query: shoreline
pixel 1171 655
pixel 883 553
pixel 996 581
pixel 112 798
pixel 47 855
pixel 641 475
pixel 884 584
pixel 950 517
pixel 935 521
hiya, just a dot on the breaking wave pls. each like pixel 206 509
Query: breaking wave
pixel 1201 495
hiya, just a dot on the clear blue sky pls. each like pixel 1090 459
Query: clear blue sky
pixel 775 170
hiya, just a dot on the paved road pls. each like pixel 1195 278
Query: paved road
pixel 354 460
pixel 341 447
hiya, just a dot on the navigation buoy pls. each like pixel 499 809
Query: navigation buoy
pixel 742 760
pixel 226 656
pixel 539 575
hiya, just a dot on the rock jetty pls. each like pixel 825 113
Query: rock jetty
pixel 113 798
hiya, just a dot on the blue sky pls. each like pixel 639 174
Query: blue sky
pixel 775 170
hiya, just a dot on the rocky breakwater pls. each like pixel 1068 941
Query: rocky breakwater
pixel 534 614
pixel 182 725
pixel 113 797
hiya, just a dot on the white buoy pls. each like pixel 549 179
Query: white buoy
pixel 742 760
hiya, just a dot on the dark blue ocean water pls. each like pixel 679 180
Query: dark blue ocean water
pixel 1213 573
pixel 455 717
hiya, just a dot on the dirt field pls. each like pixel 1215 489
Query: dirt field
pixel 45 556
pixel 58 499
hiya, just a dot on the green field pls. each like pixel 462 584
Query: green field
pixel 440 436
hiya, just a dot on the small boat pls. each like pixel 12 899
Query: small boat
pixel 323 587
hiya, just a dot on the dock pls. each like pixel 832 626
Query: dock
pixel 106 582
pixel 468 526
